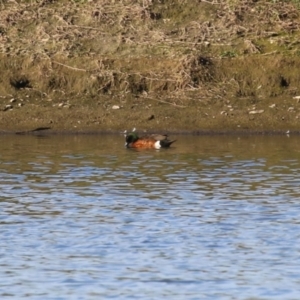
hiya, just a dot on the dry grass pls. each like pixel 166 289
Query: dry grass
pixel 101 46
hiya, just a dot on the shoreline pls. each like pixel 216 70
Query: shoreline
pixel 50 132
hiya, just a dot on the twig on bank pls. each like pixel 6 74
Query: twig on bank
pixel 69 67
pixel 85 27
pixel 270 53
pixel 33 130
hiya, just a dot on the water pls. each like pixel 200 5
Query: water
pixel 211 218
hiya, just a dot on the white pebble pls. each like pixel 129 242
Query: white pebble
pixel 253 112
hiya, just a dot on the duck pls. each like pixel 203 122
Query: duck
pixel 154 141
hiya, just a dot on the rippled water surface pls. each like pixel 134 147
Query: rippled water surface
pixel 211 218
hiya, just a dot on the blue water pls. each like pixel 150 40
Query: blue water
pixel 210 218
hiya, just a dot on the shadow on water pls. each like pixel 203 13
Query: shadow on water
pixel 211 217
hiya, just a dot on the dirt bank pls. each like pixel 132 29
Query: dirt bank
pixel 86 66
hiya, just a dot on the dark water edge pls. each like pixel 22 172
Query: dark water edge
pixel 177 132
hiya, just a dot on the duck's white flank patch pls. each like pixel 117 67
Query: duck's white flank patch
pixel 157 145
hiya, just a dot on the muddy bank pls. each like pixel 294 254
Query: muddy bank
pixel 229 119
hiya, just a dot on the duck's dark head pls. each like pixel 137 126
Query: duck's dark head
pixel 131 138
